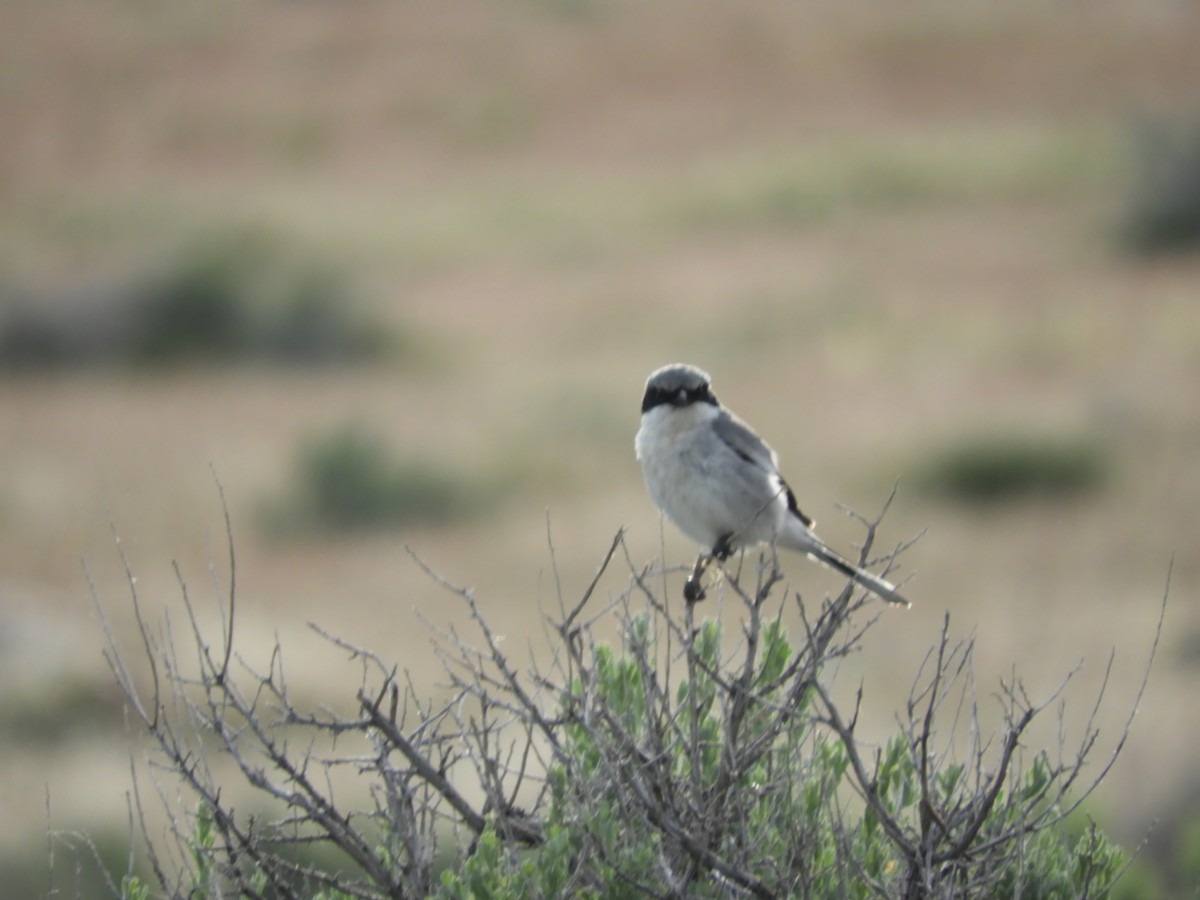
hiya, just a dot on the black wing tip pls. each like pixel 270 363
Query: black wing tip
pixel 794 509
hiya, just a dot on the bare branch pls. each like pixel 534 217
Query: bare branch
pixel 723 746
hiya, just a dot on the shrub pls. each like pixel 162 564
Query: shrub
pixel 999 468
pixel 236 297
pixel 246 296
pixel 682 762
pixel 1163 213
pixel 349 479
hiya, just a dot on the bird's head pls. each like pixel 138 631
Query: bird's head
pixel 677 385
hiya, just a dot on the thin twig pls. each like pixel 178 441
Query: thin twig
pixel 231 548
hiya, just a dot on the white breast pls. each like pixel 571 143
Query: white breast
pixel 689 475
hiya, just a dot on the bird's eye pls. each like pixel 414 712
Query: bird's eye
pixel 655 397
pixel 677 397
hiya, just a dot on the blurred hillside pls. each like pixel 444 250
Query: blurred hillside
pixel 899 243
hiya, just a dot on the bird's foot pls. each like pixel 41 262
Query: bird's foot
pixel 693 588
pixel 723 548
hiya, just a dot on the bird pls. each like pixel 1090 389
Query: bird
pixel 712 475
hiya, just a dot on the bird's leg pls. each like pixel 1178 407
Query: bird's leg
pixel 723 548
pixel 693 590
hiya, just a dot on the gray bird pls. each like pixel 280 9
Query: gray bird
pixel 719 482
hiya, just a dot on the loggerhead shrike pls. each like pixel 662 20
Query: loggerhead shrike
pixel 719 482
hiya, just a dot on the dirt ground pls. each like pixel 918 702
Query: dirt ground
pixel 882 232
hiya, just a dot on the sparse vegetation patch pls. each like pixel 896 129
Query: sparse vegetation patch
pixel 1004 467
pixel 685 762
pixel 350 479
pixel 236 297
pixel 1164 207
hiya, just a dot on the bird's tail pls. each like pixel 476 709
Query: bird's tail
pixel 872 583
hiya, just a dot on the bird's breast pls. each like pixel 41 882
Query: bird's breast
pixel 669 430
pixel 671 448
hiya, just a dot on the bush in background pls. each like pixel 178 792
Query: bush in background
pixel 236 297
pixel 350 479
pixel 1004 467
pixel 1164 210
pixel 684 762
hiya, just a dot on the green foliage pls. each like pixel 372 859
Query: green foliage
pixel 1186 850
pixel 133 888
pixel 996 469
pixel 495 870
pixel 203 838
pixel 793 804
pixel 689 761
pixel 81 867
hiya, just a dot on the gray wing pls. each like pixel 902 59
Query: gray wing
pixel 741 439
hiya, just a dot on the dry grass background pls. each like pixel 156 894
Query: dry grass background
pixel 881 231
